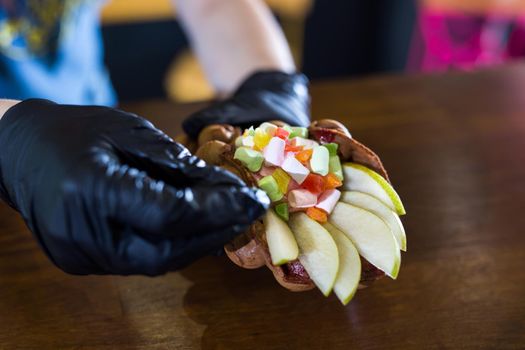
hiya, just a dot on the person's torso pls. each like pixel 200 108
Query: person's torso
pixel 53 49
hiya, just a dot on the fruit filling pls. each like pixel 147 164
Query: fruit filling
pixel 297 173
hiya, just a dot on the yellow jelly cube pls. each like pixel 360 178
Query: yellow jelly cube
pixel 282 179
pixel 261 139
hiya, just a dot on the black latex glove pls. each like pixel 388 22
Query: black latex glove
pixel 264 96
pixel 106 192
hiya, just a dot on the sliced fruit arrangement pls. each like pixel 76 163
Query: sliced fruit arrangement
pixel 334 221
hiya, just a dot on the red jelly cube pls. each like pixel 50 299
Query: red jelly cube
pixel 292 148
pixel 314 183
pixel 281 133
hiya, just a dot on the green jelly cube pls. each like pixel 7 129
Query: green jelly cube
pixel 270 186
pixel 298 131
pixel 251 158
pixel 332 148
pixel 282 211
pixel 334 165
pixel 250 131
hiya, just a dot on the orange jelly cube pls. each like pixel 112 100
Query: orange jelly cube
pixel 317 214
pixel 304 156
pixel 314 183
pixel 331 181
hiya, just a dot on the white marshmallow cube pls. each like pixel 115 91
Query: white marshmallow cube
pixel 306 143
pixel 301 199
pixel 295 169
pixel 328 200
pixel 274 151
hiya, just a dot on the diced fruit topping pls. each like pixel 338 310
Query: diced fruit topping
pixel 328 200
pixel 304 156
pixel 295 169
pixel 250 158
pixel 319 161
pixel 268 128
pixel 332 148
pixel 261 139
pixel 306 143
pixel 274 151
pixel 317 214
pixel 282 179
pixel 249 132
pixel 269 185
pixel 282 211
pixel 334 166
pixel 301 199
pixel 298 131
pixel 331 181
pixel 314 183
pixel 292 148
pixel 296 172
pixel 248 141
pixel 281 133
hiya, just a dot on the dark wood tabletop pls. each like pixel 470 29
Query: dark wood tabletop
pixel 454 146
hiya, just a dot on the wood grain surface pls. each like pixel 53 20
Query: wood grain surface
pixel 454 146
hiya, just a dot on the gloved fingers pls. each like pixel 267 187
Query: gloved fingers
pixel 151 150
pixel 152 206
pixel 151 255
pixel 264 96
pixel 225 112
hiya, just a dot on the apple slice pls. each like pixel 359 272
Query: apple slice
pixel 371 236
pixel 317 251
pixel 366 201
pixel 281 241
pixel 349 265
pixel 360 178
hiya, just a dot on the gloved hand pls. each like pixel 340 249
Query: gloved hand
pixel 106 192
pixel 264 96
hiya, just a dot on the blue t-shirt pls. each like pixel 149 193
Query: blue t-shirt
pixel 53 49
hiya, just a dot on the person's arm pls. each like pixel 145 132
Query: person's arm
pixel 5 105
pixel 104 191
pixel 234 39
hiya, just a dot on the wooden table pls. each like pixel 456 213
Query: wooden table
pixel 455 148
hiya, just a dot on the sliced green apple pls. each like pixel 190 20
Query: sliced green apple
pixel 366 201
pixel 317 251
pixel 349 265
pixel 281 241
pixel 371 236
pixel 360 178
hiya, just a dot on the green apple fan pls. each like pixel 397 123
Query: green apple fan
pixel 334 220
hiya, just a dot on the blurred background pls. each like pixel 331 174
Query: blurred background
pixel 147 53
pixel 329 39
